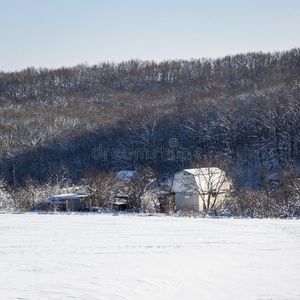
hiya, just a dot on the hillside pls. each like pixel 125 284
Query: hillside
pixel 140 113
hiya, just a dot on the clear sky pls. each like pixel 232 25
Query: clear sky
pixel 54 33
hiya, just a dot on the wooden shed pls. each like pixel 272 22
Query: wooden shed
pixel 72 202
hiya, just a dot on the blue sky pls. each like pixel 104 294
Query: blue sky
pixel 54 33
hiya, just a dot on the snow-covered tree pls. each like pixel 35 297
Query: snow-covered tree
pixel 6 200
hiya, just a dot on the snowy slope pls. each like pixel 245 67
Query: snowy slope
pixel 131 257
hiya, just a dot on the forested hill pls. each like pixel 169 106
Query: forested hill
pixel 141 113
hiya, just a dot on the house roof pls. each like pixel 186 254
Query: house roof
pixel 203 171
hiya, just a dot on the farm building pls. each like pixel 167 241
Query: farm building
pixel 124 184
pixel 119 203
pixel 199 189
pixel 72 202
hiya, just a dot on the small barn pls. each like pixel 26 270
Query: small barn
pixel 120 203
pixel 199 189
pixel 124 183
pixel 72 202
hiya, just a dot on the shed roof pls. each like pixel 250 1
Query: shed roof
pixel 68 196
pixel 126 175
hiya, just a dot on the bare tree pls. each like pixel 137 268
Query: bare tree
pixel 6 200
pixel 208 181
pixel 102 185
pixel 139 185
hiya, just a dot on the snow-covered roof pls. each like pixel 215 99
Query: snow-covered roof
pixel 203 171
pixel 202 179
pixel 126 175
pixel 68 196
pixel 118 202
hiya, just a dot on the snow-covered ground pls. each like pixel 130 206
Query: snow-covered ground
pixel 98 256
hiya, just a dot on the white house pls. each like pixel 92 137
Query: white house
pixel 199 189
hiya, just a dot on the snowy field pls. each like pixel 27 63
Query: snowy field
pixel 132 257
